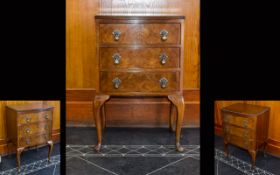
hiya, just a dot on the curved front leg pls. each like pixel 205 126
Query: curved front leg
pixel 253 154
pixel 178 101
pixel 98 103
pixel 50 143
pixel 19 151
pixel 172 117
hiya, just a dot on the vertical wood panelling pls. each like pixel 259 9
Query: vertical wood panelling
pixel 151 112
pixel 3 129
pixel 81 64
pixel 81 61
pixel 274 121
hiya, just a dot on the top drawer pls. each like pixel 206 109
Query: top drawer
pixel 26 118
pixel 147 33
pixel 244 122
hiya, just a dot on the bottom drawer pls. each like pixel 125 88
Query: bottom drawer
pixel 139 81
pixel 240 141
pixel 33 140
pixel 237 131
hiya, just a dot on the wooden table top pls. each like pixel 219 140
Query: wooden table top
pixel 245 109
pixel 30 107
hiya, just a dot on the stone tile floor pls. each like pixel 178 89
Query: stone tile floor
pixel 239 161
pixel 137 151
pixel 33 162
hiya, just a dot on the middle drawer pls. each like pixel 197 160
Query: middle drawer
pixel 161 81
pixel 34 128
pixel 130 57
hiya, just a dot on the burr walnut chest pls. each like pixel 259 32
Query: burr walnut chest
pixel 29 125
pixel 140 56
pixel 246 126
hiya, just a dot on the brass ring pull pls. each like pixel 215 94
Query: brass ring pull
pixel 246 134
pixel 27 119
pixel 27 130
pixel 117 58
pixel 163 82
pixel 245 123
pixel 163 57
pixel 116 82
pixel 46 117
pixel 163 34
pixel 117 35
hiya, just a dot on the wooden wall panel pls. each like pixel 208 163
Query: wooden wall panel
pixel 3 133
pixel 81 61
pixel 147 112
pixel 81 64
pixel 274 121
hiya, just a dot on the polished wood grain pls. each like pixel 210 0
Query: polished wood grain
pixel 139 33
pixel 98 105
pixel 139 58
pixel 33 140
pixel 133 111
pixel 20 125
pixel 81 36
pixel 34 117
pixel 251 118
pixel 141 82
pixel 273 146
pixel 5 146
pixel 237 120
pixel 81 62
pixel 34 128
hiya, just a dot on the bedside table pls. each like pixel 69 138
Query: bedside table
pixel 140 56
pixel 246 126
pixel 29 125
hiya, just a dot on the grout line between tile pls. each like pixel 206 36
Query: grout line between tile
pixel 167 165
pixel 97 166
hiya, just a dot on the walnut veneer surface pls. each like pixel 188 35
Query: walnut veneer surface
pixel 246 126
pixel 140 56
pixel 29 125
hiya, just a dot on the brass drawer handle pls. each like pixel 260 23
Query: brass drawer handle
pixel 117 35
pixel 163 34
pixel 246 134
pixel 116 82
pixel 226 119
pixel 117 58
pixel 245 123
pixel 28 119
pixel 163 57
pixel 27 131
pixel 163 82
pixel 46 117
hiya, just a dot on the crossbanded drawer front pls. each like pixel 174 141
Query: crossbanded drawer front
pixel 113 58
pixel 237 131
pixel 33 140
pixel 167 33
pixel 245 122
pixel 139 81
pixel 241 141
pixel 34 128
pixel 27 118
